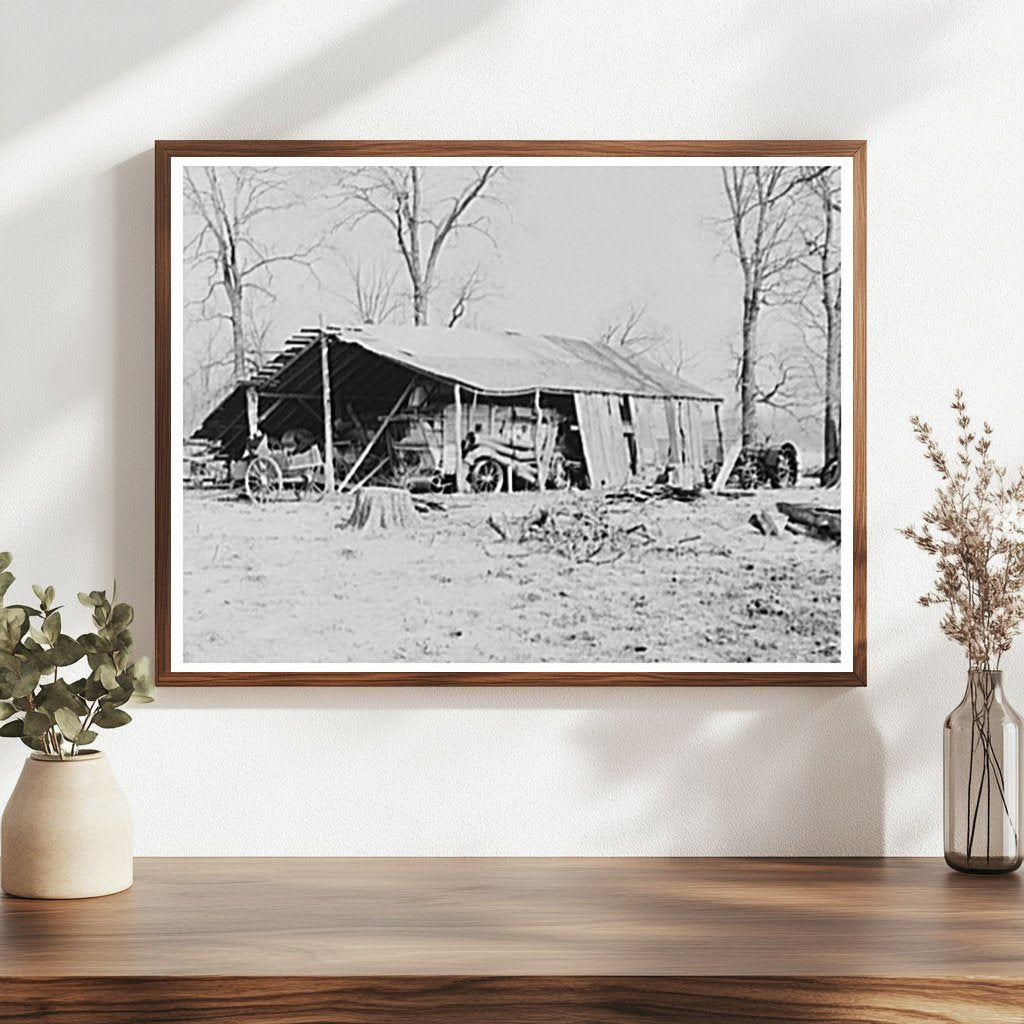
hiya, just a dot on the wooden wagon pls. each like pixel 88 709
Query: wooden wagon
pixel 270 473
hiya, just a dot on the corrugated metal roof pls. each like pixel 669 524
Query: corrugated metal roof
pixel 509 363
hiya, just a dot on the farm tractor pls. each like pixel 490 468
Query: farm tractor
pixel 758 465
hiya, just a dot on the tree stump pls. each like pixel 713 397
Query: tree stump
pixel 383 508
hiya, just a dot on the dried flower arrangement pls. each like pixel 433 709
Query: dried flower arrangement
pixel 975 531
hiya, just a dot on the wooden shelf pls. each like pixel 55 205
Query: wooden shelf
pixel 506 940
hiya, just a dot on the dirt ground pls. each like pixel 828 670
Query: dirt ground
pixel 286 582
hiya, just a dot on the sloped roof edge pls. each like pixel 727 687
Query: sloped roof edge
pixel 509 363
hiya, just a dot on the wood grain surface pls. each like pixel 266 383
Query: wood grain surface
pixel 166 150
pixel 518 1000
pixel 284 941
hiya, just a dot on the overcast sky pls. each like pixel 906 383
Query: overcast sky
pixel 573 247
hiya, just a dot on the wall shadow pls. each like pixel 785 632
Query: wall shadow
pixel 45 53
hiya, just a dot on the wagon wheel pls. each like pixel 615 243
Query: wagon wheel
pixel 782 471
pixel 263 479
pixel 558 473
pixel 312 488
pixel 486 476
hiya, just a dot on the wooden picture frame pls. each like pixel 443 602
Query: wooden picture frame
pixel 852 157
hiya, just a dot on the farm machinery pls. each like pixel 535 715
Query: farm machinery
pixel 754 466
pixel 270 471
pixel 203 464
pixel 501 451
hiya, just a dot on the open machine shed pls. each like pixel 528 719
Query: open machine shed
pixel 634 420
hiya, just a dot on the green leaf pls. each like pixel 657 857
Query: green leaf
pixel 108 718
pixel 32 613
pixel 107 676
pixel 59 695
pixel 94 644
pixel 38 636
pixel 6 710
pixel 69 724
pixel 13 625
pixel 27 681
pixel 16 727
pixel 94 689
pixel 51 626
pixel 50 594
pixel 89 600
pixel 6 579
pixel 36 723
pixel 5 560
pixel 122 616
pixel 66 651
pixel 86 736
pixel 31 741
pixel 115 698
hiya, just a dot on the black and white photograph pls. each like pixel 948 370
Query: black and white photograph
pixel 530 414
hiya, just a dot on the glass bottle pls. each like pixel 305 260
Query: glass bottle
pixel 981 772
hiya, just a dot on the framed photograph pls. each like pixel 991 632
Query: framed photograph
pixel 492 413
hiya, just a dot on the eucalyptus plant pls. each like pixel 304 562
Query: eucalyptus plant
pixel 37 704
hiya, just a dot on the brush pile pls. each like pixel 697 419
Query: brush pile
pixel 585 530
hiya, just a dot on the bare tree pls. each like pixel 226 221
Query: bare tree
pixel 473 288
pixel 636 333
pixel 629 327
pixel 825 251
pixel 236 259
pixel 372 291
pixel 209 372
pixel 764 220
pixel 421 225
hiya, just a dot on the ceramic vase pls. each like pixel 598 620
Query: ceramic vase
pixel 66 831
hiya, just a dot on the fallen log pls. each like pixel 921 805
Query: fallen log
pixel 822 522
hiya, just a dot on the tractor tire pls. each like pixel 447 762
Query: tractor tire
pixel 782 466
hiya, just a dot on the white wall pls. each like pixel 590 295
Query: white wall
pixel 936 88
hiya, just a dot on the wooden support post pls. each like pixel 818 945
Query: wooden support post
pixel 460 478
pixel 538 447
pixel 325 377
pixel 252 406
pixel 376 437
pixel 720 454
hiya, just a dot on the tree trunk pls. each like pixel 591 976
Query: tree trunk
pixel 830 297
pixel 383 508
pixel 237 335
pixel 419 304
pixel 833 398
pixel 748 374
